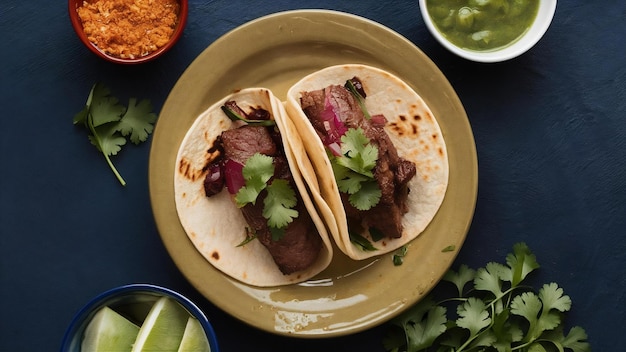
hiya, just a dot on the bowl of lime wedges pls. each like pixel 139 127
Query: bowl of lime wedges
pixel 140 317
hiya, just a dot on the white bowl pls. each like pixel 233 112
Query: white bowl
pixel 539 27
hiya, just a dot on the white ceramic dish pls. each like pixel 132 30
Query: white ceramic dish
pixel 539 27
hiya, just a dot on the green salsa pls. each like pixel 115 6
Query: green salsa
pixel 482 25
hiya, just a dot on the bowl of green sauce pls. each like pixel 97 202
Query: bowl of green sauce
pixel 488 30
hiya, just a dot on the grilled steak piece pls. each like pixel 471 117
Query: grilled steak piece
pixel 392 173
pixel 300 246
pixel 241 143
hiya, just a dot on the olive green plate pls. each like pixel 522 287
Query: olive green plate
pixel 274 52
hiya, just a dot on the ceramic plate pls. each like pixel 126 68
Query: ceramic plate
pixel 274 52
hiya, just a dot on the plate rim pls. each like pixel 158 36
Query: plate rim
pixel 155 189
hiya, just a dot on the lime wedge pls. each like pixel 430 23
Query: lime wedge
pixel 109 331
pixel 163 328
pixel 194 338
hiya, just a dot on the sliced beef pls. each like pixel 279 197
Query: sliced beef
pixel 392 173
pixel 241 143
pixel 297 249
pixel 300 246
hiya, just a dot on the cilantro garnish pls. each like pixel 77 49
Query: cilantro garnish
pixel 257 171
pixel 109 122
pixel 353 169
pixel 250 236
pixel 280 198
pixel 398 256
pixel 363 243
pixel 498 314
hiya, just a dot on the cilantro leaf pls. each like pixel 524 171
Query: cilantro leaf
pixel 257 170
pixel 553 298
pixel 473 316
pixel 353 170
pixel 109 122
pixel 363 243
pixel 106 139
pixel 460 278
pixel 138 121
pixel 522 262
pixel 422 323
pixel 104 108
pixel 358 154
pixel 503 320
pixel 278 204
pixel 279 200
pixel 576 340
pixel 488 278
pixel 398 256
pixel 369 194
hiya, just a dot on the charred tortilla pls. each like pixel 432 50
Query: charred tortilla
pixel 414 132
pixel 215 225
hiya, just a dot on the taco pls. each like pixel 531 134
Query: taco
pixel 240 198
pixel 377 152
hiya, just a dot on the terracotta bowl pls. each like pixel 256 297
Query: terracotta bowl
pixel 73 5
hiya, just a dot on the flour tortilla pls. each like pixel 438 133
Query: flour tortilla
pixel 413 130
pixel 214 224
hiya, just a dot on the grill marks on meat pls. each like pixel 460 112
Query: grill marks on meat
pixel 392 173
pixel 301 244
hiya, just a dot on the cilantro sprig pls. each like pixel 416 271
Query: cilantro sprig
pixel 353 170
pixel 110 123
pixel 280 199
pixel 499 314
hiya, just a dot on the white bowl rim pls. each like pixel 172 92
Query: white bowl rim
pixel 542 22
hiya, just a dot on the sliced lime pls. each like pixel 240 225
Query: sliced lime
pixel 109 331
pixel 163 328
pixel 194 339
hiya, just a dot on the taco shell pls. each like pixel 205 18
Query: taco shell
pixel 214 224
pixel 414 132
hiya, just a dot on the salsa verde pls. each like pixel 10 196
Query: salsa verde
pixel 482 25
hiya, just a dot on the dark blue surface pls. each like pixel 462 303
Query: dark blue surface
pixel 550 130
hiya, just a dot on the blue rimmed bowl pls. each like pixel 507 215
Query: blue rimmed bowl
pixel 132 300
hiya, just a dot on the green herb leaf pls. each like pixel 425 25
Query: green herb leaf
pixel 488 278
pixel 359 155
pixel 509 318
pixel 359 98
pixel 449 248
pixel 280 199
pixel 138 121
pixel 522 262
pixel 398 256
pixel 576 340
pixel 250 236
pixel 460 278
pixel 367 196
pixel 353 170
pixel 363 243
pixel 473 316
pixel 257 170
pixel 422 325
pixel 109 122
pixel 278 204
